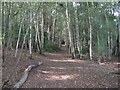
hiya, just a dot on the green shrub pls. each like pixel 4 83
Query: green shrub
pixel 76 51
pixel 84 51
pixel 52 48
pixel 117 73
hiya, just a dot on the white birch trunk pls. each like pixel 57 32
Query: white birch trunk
pixel 48 31
pixel 38 36
pixel 90 48
pixel 30 42
pixel 77 30
pixel 69 33
pixel 90 33
pixel 119 31
pixel 53 32
pixel 109 48
pixel 118 9
pixel 25 37
pixel 9 43
pixel 42 29
pixel 20 28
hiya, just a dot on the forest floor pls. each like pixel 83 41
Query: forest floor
pixel 60 71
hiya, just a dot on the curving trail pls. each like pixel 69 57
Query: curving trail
pixel 60 71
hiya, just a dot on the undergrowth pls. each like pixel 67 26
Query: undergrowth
pixel 52 48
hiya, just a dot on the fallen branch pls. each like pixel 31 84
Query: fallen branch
pixel 25 76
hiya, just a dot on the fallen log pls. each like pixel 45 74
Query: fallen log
pixel 25 76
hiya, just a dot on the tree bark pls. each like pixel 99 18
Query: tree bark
pixel 26 73
pixel 98 47
pixel 48 31
pixel 118 9
pixel 1 47
pixel 77 30
pixel 53 32
pixel 38 41
pixel 30 41
pixel 42 28
pixel 90 33
pixel 25 37
pixel 69 32
pixel 109 46
pixel 9 42
pixel 90 48
pixel 119 31
pixel 20 28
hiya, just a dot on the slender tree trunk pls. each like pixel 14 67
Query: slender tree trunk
pixel 98 43
pixel 77 31
pixel 7 19
pixel 1 47
pixel 90 48
pixel 111 40
pixel 26 36
pixel 59 39
pixel 38 37
pixel 42 28
pixel 3 34
pixel 53 32
pixel 109 48
pixel 70 33
pixel 30 41
pixel 48 31
pixel 116 45
pixel 90 34
pixel 67 38
pixel 119 31
pixel 9 44
pixel 118 9
pixel 20 28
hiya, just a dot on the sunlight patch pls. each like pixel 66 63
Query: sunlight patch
pixel 45 72
pixel 62 68
pixel 69 60
pixel 58 67
pixel 61 77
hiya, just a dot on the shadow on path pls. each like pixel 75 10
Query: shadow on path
pixel 60 71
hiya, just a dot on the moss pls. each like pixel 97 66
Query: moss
pixel 117 73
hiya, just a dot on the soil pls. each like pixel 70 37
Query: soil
pixel 59 70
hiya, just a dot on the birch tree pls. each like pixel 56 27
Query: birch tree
pixel 30 28
pixel 109 48
pixel 69 32
pixel 20 29
pixel 119 22
pixel 90 33
pixel 77 29
pixel 42 27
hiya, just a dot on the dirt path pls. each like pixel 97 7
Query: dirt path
pixel 60 71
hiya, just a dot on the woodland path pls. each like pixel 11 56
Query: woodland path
pixel 60 71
